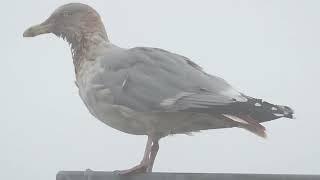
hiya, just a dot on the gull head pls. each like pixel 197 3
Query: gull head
pixel 71 22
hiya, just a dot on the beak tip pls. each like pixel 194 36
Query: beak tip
pixel 28 33
pixel 25 35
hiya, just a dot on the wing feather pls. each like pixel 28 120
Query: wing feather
pixel 151 79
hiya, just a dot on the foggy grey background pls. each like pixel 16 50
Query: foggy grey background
pixel 266 49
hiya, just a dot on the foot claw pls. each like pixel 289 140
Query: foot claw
pixel 141 168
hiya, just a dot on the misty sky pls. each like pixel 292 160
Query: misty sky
pixel 266 49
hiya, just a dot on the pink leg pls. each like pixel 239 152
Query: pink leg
pixel 153 154
pixel 147 150
pixel 143 166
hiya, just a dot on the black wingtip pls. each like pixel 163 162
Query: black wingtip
pixel 265 111
pixel 287 112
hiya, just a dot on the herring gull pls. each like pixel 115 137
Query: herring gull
pixel 149 91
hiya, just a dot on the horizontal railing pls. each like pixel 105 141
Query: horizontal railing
pixel 99 175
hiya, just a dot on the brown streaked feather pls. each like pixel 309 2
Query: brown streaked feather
pixel 257 131
pixel 251 124
pixel 252 121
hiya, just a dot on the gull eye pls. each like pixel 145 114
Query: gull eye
pixel 66 13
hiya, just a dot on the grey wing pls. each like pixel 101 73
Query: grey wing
pixel 154 80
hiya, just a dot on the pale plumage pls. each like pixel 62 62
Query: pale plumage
pixel 149 91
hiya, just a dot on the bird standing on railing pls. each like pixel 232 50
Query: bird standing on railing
pixel 149 91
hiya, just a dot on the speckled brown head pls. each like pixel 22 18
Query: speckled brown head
pixel 78 24
pixel 72 22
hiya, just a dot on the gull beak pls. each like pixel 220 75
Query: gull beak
pixel 36 30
